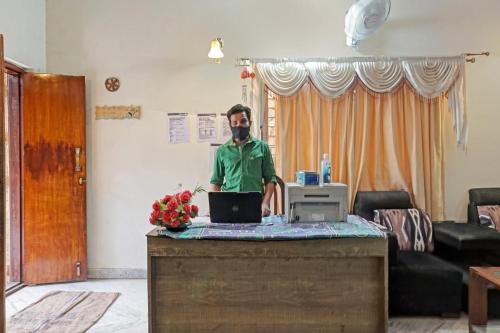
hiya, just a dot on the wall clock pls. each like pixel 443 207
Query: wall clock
pixel 112 83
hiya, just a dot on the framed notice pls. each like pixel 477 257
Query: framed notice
pixel 178 128
pixel 207 127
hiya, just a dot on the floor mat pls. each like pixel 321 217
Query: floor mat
pixel 62 312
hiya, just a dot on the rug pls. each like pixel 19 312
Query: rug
pixel 62 312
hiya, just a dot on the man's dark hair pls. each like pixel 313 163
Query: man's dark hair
pixel 238 108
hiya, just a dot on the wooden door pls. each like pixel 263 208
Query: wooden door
pixel 53 171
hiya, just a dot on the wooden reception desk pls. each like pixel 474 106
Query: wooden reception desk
pixel 303 286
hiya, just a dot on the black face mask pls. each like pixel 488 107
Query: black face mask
pixel 240 133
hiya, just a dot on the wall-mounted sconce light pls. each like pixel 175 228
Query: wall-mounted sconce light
pixel 215 52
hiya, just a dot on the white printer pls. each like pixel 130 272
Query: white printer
pixel 314 203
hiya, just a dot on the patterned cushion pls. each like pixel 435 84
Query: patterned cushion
pixel 413 228
pixel 489 216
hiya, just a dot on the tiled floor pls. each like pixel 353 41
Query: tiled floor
pixel 129 314
pixel 438 325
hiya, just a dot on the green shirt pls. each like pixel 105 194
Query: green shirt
pixel 241 168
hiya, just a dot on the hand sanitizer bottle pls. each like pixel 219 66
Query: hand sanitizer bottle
pixel 325 176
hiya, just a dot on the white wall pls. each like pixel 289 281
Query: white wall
pixel 22 22
pixel 158 49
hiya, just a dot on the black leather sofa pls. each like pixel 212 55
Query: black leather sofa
pixel 479 197
pixel 470 244
pixel 419 282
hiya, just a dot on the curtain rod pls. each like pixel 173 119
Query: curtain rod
pixel 246 61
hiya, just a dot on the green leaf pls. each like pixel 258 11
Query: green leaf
pixel 198 189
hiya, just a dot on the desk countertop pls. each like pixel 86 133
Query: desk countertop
pixel 275 228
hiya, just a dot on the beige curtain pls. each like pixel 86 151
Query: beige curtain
pixel 375 141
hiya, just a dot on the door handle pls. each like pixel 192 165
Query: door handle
pixel 78 167
pixel 81 180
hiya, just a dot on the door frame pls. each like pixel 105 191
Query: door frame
pixel 2 192
pixel 16 232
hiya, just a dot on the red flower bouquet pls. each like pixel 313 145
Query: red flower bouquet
pixel 175 211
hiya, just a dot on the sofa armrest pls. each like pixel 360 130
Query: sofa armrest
pixel 480 197
pixel 466 236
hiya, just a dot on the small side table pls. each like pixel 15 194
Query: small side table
pixel 479 278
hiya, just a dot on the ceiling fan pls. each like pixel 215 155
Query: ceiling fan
pixel 363 18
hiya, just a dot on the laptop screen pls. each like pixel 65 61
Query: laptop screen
pixel 235 207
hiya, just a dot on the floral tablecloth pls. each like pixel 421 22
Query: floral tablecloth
pixel 277 228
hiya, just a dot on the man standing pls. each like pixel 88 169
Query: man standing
pixel 244 164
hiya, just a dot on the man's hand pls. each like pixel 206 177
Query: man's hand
pixel 215 188
pixel 266 211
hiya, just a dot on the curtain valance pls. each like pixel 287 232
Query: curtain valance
pixel 430 77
